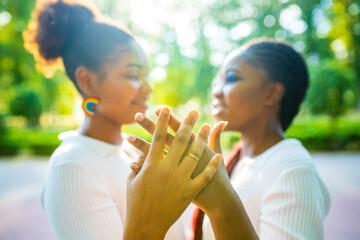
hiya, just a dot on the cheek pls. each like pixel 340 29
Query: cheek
pixel 120 94
pixel 234 96
pixel 244 99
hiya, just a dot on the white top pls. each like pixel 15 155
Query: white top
pixel 282 193
pixel 84 194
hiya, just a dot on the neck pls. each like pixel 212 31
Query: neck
pixel 259 138
pixel 102 129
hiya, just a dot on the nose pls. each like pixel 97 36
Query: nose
pixel 217 91
pixel 147 86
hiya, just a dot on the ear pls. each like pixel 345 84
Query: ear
pixel 274 93
pixel 86 80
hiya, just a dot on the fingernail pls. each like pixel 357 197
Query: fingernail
pixel 165 110
pixel 194 114
pixel 134 165
pixel 206 127
pixel 157 111
pixel 224 125
pixel 139 117
pixel 131 138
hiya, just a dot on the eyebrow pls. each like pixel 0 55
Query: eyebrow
pixel 134 65
pixel 232 70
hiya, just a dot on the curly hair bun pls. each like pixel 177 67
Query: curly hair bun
pixel 50 26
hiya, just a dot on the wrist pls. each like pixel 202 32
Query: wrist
pixel 136 231
pixel 230 220
pixel 226 200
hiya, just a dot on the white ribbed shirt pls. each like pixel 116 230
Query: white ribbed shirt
pixel 84 193
pixel 282 193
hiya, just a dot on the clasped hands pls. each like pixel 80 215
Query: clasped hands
pixel 163 183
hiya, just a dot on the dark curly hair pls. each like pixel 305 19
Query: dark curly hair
pixel 281 64
pixel 75 33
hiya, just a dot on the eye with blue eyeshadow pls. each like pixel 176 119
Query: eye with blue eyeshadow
pixel 232 78
pixel 132 77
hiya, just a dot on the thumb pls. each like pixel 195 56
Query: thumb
pixel 214 137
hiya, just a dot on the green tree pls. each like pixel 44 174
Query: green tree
pixel 27 103
pixel 319 29
pixel 345 33
pixel 333 90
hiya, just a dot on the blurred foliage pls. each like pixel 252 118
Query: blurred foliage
pixel 17 66
pixel 2 124
pixel 187 41
pixel 195 37
pixel 333 89
pixel 317 134
pixel 314 132
pixel 27 103
pixel 33 141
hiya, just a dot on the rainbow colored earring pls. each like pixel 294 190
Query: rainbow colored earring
pixel 89 104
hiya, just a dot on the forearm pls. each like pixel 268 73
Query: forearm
pixel 225 210
pixel 230 220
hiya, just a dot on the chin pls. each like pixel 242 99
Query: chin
pixel 132 121
pixel 219 117
pixel 229 126
pixel 143 111
pixel 139 107
pixel 132 112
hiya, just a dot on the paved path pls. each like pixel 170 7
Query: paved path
pixel 341 173
pixel 21 216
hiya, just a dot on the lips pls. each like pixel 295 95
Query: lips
pixel 140 102
pixel 217 107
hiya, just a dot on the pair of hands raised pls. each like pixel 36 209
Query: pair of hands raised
pixel 163 184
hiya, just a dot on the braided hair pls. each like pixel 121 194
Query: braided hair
pixel 281 63
pixel 74 33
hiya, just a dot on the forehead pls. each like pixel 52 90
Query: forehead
pixel 128 55
pixel 238 61
pixel 235 61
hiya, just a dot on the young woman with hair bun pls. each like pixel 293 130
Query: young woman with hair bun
pixel 84 194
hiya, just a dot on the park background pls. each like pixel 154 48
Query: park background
pixel 186 42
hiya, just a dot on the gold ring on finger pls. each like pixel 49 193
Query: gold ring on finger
pixel 195 157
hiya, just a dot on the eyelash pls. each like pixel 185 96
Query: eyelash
pixel 232 78
pixel 133 77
